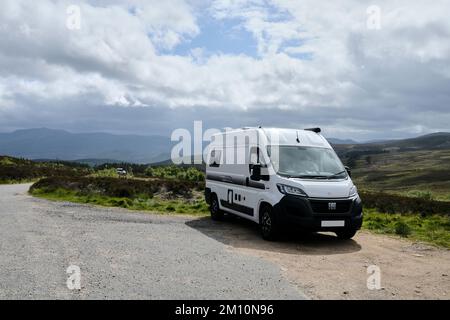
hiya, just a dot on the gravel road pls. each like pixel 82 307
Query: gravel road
pixel 121 255
pixel 134 255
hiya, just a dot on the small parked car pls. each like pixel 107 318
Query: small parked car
pixel 121 172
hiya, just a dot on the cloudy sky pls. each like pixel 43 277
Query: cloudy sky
pixel 358 69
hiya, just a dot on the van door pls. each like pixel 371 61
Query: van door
pixel 253 189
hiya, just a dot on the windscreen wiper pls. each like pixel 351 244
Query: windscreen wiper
pixel 308 177
pixel 335 174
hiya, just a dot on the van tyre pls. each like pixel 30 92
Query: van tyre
pixel 268 224
pixel 346 234
pixel 216 213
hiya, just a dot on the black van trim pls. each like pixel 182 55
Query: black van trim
pixel 239 182
pixel 237 207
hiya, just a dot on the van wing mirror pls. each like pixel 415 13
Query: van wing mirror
pixel 256 172
pixel 349 171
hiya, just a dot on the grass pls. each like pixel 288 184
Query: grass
pixel 412 173
pixel 105 173
pixel 175 172
pixel 195 207
pixel 433 229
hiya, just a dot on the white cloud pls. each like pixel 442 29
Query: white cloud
pixel 313 57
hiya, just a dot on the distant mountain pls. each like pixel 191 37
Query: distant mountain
pixel 434 141
pixel 62 145
pixel 89 162
pixel 438 140
pixel 98 148
pixel 341 141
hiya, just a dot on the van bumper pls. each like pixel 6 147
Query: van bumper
pixel 308 213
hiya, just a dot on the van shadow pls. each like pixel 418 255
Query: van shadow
pixel 244 234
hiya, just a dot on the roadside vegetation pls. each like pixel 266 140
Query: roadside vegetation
pixel 417 219
pixel 434 229
pixel 398 199
pixel 174 172
pixel 14 170
pixel 393 203
pixel 158 195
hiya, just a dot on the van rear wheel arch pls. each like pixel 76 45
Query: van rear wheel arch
pixel 216 212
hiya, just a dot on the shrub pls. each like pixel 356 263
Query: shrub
pixel 402 229
pixel 175 172
pixel 120 188
pixel 389 203
pixel 427 195
pixel 13 169
pixel 170 208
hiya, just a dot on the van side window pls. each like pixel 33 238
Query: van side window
pixel 214 159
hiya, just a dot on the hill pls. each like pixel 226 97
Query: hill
pixel 341 141
pixel 62 145
pixel 14 170
pixel 434 141
pixel 414 167
pixel 89 162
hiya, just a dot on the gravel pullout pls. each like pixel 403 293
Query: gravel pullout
pixel 122 255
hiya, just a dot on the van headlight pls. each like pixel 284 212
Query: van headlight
pixel 285 189
pixel 353 191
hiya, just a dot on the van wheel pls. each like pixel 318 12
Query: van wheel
pixel 346 234
pixel 268 225
pixel 216 213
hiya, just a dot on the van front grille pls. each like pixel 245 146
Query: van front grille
pixel 330 206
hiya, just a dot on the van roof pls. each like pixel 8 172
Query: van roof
pixel 283 136
pixel 291 137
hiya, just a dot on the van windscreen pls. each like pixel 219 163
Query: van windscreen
pixel 307 162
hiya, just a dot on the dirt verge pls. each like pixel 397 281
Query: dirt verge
pixel 325 267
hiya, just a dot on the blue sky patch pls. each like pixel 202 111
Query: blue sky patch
pixel 219 37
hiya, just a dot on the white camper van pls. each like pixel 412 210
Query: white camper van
pixel 279 177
